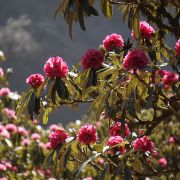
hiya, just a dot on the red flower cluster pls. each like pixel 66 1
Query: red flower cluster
pixel 177 48
pixel 135 59
pixel 146 30
pixel 57 137
pixel 92 59
pixel 170 78
pixel 162 162
pixel 4 91
pixel 87 134
pixel 1 72
pixel 56 67
pixel 143 144
pixel 116 140
pixel 35 80
pixel 113 41
pixel 115 129
pixel 171 140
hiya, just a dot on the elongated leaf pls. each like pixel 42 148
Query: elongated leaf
pixel 85 163
pixel 92 78
pixel 31 105
pixel 107 8
pixel 81 19
pixel 66 157
pixel 37 105
pixel 62 90
pixel 22 100
pixel 127 173
pixel 46 115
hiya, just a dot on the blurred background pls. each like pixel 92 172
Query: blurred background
pixel 29 36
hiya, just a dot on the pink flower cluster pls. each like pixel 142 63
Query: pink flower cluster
pixel 35 80
pixel 143 144
pixel 1 72
pixel 3 132
pixel 11 128
pixel 135 59
pixel 22 131
pixel 116 140
pixel 113 41
pixel 87 134
pixel 92 59
pixel 168 78
pixel 162 162
pixel 56 67
pixel 25 142
pixel 35 136
pixel 57 137
pixel 4 91
pixel 177 48
pixel 8 129
pixel 146 30
pixel 115 129
pixel 5 165
pixel 54 127
pixel 9 113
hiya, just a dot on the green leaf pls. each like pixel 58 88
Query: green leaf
pixel 127 173
pixel 85 163
pixel 116 172
pixel 107 8
pixel 53 93
pixel 31 105
pixel 136 24
pixel 37 105
pixel 81 18
pixel 92 78
pixel 66 157
pixel 21 103
pixel 62 90
pixel 46 115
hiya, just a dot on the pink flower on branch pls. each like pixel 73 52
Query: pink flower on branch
pixel 92 59
pixel 87 135
pixel 135 59
pixel 56 67
pixel 116 129
pixel 57 137
pixel 116 140
pixel 113 41
pixel 35 80
pixel 143 144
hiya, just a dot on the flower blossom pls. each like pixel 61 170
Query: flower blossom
pixel 92 59
pixel 87 134
pixel 56 67
pixel 113 41
pixel 57 137
pixel 35 80
pixel 135 59
pixel 143 144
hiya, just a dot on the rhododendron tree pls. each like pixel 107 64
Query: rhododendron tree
pixel 23 144
pixel 132 86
